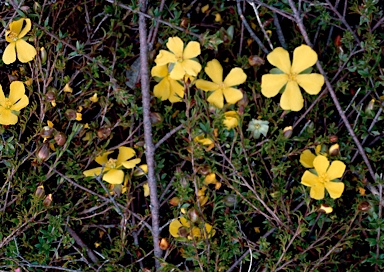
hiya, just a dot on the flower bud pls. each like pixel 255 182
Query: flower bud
pixel 36 7
pixel 174 201
pixel 48 200
pixel 334 150
pixel 50 95
pixel 255 60
pixel 103 133
pixel 183 232
pixel 141 170
pixel 287 132
pixel 46 132
pixel 40 192
pixel 230 200
pixel 43 55
pixel 163 244
pixel 156 118
pixel 324 208
pixel 370 106
pixel 364 206
pixel 60 139
pixel 43 152
pixel 333 138
pixel 71 114
pixel 193 215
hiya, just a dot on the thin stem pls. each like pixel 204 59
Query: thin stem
pixel 150 148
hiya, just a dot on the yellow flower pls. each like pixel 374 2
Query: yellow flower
pixel 146 189
pixel 167 88
pixel 181 57
pixel 25 51
pixel 211 179
pixel 202 140
pixel 231 120
pixel 94 98
pixel 111 171
pixel 67 88
pixel 325 173
pixel 219 87
pixel 10 106
pixel 289 76
pixel 182 228
pixel 325 208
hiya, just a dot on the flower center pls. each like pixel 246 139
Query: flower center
pixel 292 77
pixel 13 36
pixel 111 163
pixel 324 178
pixel 257 126
pixel 8 104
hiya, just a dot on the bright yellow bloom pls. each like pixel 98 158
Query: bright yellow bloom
pixel 231 120
pixel 10 106
pixel 181 57
pixel 182 228
pixel 167 88
pixel 202 140
pixel 219 87
pixel 25 51
pixel 67 88
pixel 325 173
pixel 211 179
pixel 289 76
pixel 111 171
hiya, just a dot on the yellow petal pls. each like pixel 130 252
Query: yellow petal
pixel 271 84
pixel 16 26
pixel 206 85
pixel 103 159
pixel 174 228
pixel 231 119
pixel 25 51
pixel 235 77
pixel 9 55
pixel 79 116
pixel 26 29
pixel 303 58
pixel 317 191
pixel 210 179
pixel 146 189
pixel 336 170
pixel 162 89
pixel 325 208
pixel 191 67
pixel 176 45
pixel 215 71
pixel 195 232
pixel 176 91
pixel 17 91
pixel 209 230
pixel 22 103
pixel 321 164
pixel 2 96
pixel 291 99
pixel 94 98
pixel 177 72
pixel 159 71
pixel 67 88
pixel 216 99
pixel 7 117
pixel 93 172
pixel 232 95
pixel 279 57
pixel 184 222
pixel 131 164
pixel 114 176
pixel 164 57
pixel 335 189
pixel 125 153
pixel 192 50
pixel 311 83
pixel 306 158
pixel 309 179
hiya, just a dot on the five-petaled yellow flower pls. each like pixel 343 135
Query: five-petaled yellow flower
pixel 15 34
pixel 219 87
pixel 290 76
pixel 167 88
pixel 182 228
pixel 323 179
pixel 111 171
pixel 11 105
pixel 181 57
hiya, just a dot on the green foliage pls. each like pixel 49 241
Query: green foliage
pixel 263 217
